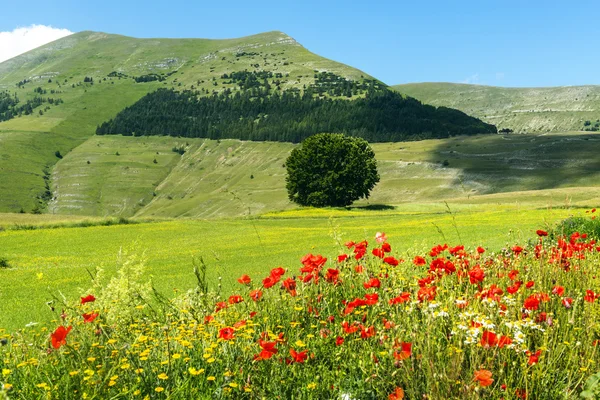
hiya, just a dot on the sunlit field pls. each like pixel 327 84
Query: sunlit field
pixel 359 314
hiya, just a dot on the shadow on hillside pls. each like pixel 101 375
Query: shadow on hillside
pixel 506 163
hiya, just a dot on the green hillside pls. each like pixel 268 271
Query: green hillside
pixel 231 177
pixel 552 109
pixel 76 70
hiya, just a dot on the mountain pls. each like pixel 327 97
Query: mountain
pixel 74 72
pixel 54 98
pixel 551 109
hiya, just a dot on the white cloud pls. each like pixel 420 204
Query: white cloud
pixel 472 79
pixel 22 40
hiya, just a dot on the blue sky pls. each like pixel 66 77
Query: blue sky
pixel 502 43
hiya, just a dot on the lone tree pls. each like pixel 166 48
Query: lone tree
pixel 331 170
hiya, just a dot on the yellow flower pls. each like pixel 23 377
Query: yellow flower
pixel 91 359
pixel 176 356
pixel 195 372
pixel 7 386
pixel 112 383
pixel 6 372
pixel 211 378
pixel 73 373
pixel 125 366
pixel 159 389
pixel 300 343
pixel 210 360
pixel 163 376
pixel 233 384
pixel 137 392
pixel 139 370
pixel 311 385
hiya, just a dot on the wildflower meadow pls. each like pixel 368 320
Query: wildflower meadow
pixel 448 323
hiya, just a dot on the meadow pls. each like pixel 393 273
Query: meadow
pixel 383 315
pixel 49 263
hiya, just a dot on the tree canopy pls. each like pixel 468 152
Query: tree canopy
pixel 331 170
pixel 289 116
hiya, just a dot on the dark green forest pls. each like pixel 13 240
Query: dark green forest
pixel 289 116
pixel 11 107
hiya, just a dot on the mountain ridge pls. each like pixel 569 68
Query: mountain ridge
pixel 552 109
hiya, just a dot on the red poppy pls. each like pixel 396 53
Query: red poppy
pixel 437 250
pixel 391 261
pixel 59 336
pixel 349 328
pixel 529 284
pixel 483 377
pixel 590 296
pixel 377 252
pixel 419 261
pixel 299 357
pixel 567 302
pixel 342 258
pixel 268 350
pixel 332 275
pixel 371 299
pixel 244 280
pixel 372 283
pixel 270 281
pixel 208 318
pixel 488 339
pixel 359 269
pixel 367 332
pixel 456 250
pixel 405 351
pixel 476 275
pixel 398 394
pixel 255 294
pixel 533 357
pixel 427 293
pixel 480 250
pixel 512 275
pixel 541 233
pixel 239 324
pixel 403 298
pixel 386 247
pixel 558 290
pixel 89 317
pixel 514 288
pixel 531 303
pixel 277 272
pixel 236 298
pixel 220 306
pixel 226 333
pixel 517 250
pixel 88 299
pixel 339 341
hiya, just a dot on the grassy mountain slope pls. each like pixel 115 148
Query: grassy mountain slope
pixel 553 109
pixel 29 142
pixel 232 178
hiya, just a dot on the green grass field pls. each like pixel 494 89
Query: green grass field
pixel 232 178
pixel 49 262
pixel 536 110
